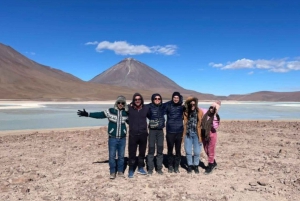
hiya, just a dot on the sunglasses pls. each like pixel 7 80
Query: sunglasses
pixel 211 107
pixel 192 104
pixel 122 103
pixel 156 98
pixel 137 99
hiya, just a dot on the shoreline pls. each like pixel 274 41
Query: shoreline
pixel 47 130
pixel 16 104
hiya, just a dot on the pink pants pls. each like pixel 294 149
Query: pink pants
pixel 209 147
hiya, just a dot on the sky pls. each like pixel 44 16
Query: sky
pixel 218 47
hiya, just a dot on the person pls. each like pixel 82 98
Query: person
pixel 117 117
pixel 174 129
pixel 138 133
pixel 156 135
pixel 192 133
pixel 210 124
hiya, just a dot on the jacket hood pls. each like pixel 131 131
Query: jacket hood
pixel 121 99
pixel 135 95
pixel 153 96
pixel 189 100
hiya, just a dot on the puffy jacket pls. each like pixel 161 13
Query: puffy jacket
pixel 174 112
pixel 156 114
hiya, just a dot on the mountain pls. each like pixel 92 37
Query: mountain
pixel 267 96
pixel 22 78
pixel 137 75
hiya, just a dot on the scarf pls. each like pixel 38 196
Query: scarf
pixel 206 125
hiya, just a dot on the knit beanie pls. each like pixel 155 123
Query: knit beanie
pixel 176 94
pixel 217 105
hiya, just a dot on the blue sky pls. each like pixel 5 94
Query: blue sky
pixel 219 47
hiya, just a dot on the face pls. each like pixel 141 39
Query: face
pixel 193 105
pixel 157 100
pixel 120 105
pixel 176 99
pixel 137 100
pixel 212 109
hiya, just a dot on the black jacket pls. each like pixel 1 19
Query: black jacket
pixel 137 118
pixel 174 114
pixel 156 114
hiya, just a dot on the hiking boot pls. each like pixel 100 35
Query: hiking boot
pixel 130 173
pixel 121 174
pixel 160 172
pixel 189 170
pixel 176 169
pixel 209 169
pixel 215 165
pixel 150 172
pixel 112 176
pixel 170 169
pixel 141 171
pixel 196 169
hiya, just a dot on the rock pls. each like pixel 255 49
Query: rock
pixel 263 182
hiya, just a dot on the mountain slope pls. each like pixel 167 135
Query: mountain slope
pixel 137 75
pixel 267 96
pixel 22 78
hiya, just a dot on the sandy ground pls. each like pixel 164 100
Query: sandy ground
pixel 257 160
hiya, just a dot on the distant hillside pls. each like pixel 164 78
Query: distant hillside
pixel 267 96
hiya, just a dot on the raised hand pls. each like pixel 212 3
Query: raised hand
pixel 82 113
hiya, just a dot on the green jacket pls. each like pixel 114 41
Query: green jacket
pixel 116 125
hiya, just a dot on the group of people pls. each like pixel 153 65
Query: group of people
pixel 185 123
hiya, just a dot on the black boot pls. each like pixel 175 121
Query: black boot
pixel 176 169
pixel 189 170
pixel 170 169
pixel 215 164
pixel 209 168
pixel 196 169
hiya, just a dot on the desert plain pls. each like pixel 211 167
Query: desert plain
pixel 257 160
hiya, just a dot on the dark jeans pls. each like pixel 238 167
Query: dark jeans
pixel 174 139
pixel 134 142
pixel 116 145
pixel 156 139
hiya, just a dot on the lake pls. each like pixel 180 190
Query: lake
pixel 65 115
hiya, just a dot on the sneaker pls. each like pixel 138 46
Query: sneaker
pixel 141 171
pixel 112 176
pixel 121 174
pixel 196 169
pixel 189 170
pixel 170 169
pixel 130 173
pixel 176 169
pixel 160 172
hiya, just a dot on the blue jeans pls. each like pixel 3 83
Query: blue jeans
pixel 116 145
pixel 192 144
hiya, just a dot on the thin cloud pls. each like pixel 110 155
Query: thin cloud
pixel 124 48
pixel 92 43
pixel 31 53
pixel 215 65
pixel 274 65
pixel 251 73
